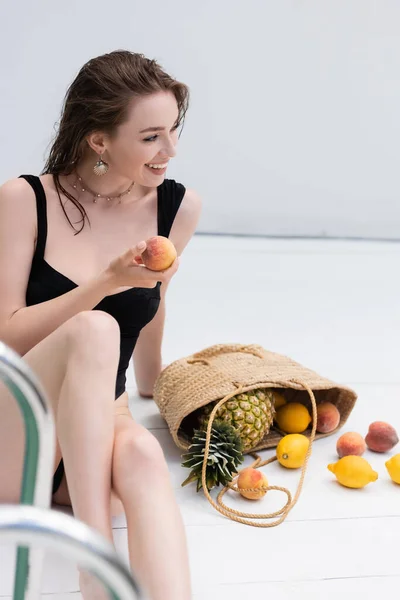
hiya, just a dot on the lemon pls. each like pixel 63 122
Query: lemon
pixel 292 449
pixel 393 467
pixel 353 471
pixel 279 400
pixel 293 417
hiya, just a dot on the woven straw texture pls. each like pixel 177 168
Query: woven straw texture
pixel 217 372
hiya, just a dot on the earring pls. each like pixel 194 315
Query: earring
pixel 101 167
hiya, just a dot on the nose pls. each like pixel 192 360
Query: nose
pixel 170 148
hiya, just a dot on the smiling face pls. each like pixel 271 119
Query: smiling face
pixel 142 146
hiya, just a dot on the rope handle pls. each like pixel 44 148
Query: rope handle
pixel 225 349
pixel 237 515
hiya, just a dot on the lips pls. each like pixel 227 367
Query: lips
pixel 157 166
pixel 157 169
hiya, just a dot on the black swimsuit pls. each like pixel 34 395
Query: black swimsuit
pixel 132 308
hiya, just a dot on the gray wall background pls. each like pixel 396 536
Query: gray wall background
pixel 295 117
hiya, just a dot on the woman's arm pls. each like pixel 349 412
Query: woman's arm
pixel 147 358
pixel 23 327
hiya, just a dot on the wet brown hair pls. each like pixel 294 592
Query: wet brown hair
pixel 98 100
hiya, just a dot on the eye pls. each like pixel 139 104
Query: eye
pixel 151 139
pixel 154 137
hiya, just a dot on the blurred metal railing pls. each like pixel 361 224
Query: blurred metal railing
pixel 32 521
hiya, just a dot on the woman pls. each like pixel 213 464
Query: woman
pixel 75 296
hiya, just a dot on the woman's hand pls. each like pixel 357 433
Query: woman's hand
pixel 128 270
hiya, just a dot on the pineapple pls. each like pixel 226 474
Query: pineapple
pixel 225 454
pixel 251 414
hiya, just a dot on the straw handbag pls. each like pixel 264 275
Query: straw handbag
pixel 222 371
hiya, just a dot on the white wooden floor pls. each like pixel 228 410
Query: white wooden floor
pixel 333 306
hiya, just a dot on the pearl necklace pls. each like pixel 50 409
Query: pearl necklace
pixel 85 188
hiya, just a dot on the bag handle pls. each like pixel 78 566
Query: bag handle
pixel 237 515
pixel 225 349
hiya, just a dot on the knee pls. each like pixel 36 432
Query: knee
pixel 94 328
pixel 138 452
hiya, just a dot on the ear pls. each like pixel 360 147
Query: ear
pixel 97 142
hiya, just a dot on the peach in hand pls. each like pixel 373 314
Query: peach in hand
pixel 252 479
pixel 159 254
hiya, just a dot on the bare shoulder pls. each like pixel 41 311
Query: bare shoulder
pixel 16 192
pixel 17 205
pixel 186 220
pixel 16 186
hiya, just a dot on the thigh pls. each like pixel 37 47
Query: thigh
pixel 122 402
pixel 47 361
pixel 61 497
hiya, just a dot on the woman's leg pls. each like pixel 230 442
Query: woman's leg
pixel 156 536
pixel 149 563
pixel 85 418
pixel 77 367
pixel 62 497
